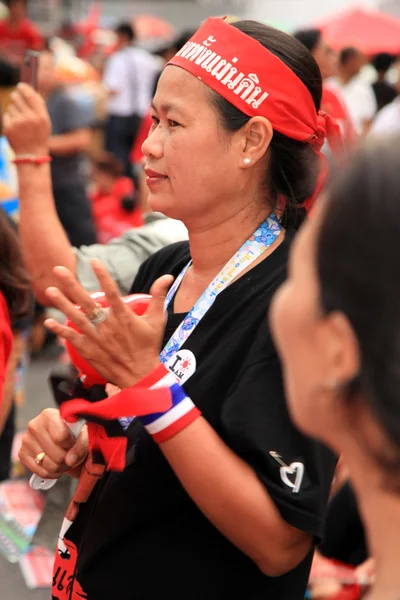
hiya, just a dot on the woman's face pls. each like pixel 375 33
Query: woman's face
pixel 300 332
pixel 325 59
pixel 192 164
pixel 320 355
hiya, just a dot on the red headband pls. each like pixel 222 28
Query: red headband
pixel 256 81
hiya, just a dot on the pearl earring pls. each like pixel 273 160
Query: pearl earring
pixel 247 161
pixel 332 385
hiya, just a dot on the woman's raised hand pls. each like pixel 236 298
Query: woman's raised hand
pixel 26 122
pixel 125 347
pixel 48 434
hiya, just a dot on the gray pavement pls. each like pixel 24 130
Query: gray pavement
pixel 12 585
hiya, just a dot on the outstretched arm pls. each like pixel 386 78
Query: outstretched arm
pixel 43 239
pixel 44 242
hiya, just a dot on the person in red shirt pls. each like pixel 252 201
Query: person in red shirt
pixel 113 199
pixel 5 341
pixel 18 33
pixel 136 156
pixel 332 100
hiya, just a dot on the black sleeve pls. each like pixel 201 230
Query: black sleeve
pixel 344 537
pixel 256 424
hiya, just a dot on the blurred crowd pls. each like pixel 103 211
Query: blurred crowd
pixel 98 93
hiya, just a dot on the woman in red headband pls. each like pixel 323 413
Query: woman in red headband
pixel 221 496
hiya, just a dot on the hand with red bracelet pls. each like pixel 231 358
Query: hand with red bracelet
pixel 26 122
pixel 122 347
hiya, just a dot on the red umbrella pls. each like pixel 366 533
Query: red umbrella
pixel 150 27
pixel 366 29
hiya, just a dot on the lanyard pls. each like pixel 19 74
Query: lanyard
pixel 264 236
pixel 260 241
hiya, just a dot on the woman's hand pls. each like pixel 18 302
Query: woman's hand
pixel 125 347
pixel 366 572
pixel 49 434
pixel 26 122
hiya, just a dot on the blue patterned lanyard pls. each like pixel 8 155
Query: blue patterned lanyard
pixel 264 236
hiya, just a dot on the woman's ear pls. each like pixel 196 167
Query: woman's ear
pixel 342 348
pixel 256 138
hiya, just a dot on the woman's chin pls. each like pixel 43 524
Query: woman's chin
pixel 158 204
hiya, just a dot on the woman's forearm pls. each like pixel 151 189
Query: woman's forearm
pixel 228 492
pixel 43 239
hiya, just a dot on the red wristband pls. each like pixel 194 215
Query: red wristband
pixel 31 159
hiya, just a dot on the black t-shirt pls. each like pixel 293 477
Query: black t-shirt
pixel 140 536
pixel 344 537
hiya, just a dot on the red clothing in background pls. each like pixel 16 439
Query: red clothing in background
pixel 15 39
pixel 111 219
pixel 334 104
pixel 6 340
pixel 136 153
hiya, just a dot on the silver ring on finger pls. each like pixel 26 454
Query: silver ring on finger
pixel 98 316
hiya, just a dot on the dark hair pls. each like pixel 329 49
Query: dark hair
pixel 183 37
pixel 11 2
pixel 348 54
pixel 293 166
pixel 13 279
pixel 106 162
pixel 47 47
pixel 176 44
pixel 127 30
pixel 383 61
pixel 310 38
pixel 358 263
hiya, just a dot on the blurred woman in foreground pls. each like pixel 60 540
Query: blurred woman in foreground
pixel 336 322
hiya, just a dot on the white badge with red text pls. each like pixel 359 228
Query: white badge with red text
pixel 182 365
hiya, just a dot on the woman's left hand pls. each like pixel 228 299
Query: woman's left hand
pixel 125 347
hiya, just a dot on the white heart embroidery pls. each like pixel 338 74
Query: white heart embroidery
pixel 296 468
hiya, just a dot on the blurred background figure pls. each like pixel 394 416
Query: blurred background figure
pixel 129 77
pixel 358 94
pixel 387 121
pixel 68 144
pixel 384 92
pixel 114 199
pixel 15 309
pixel 168 50
pixel 333 101
pixel 18 33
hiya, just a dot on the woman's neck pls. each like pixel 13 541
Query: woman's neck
pixel 211 246
pixel 380 510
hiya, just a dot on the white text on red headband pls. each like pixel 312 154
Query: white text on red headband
pixel 246 87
